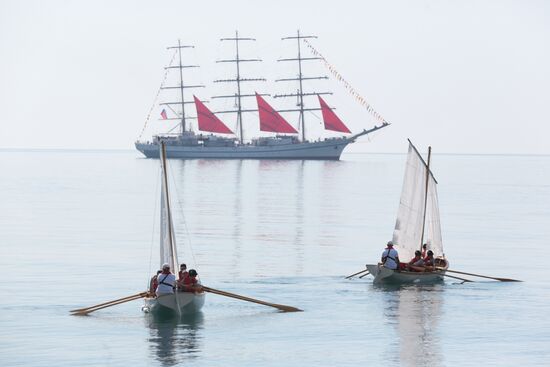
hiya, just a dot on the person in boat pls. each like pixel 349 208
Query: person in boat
pixel 429 260
pixel 190 283
pixel 417 260
pixel 154 282
pixel 390 257
pixel 424 249
pixel 182 274
pixel 166 281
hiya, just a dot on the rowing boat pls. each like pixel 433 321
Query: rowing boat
pixel 417 223
pixel 178 302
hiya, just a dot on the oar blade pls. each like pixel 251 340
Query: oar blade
pixel 484 276
pixel 508 280
pixel 286 308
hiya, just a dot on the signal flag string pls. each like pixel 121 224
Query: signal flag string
pixel 157 96
pixel 348 87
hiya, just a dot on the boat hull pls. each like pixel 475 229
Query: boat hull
pixel 330 149
pixel 384 275
pixel 183 303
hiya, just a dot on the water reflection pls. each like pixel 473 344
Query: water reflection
pixel 238 217
pixel 415 311
pixel 174 339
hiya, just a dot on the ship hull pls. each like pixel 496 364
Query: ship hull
pixel 186 303
pixel 323 150
pixel 384 275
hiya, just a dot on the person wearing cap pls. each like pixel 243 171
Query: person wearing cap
pixel 166 281
pixel 190 283
pixel 390 257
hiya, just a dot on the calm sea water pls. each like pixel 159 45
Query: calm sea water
pixel 80 227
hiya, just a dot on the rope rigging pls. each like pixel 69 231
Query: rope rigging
pixel 348 87
pixel 157 96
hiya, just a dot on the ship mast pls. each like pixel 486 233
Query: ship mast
pixel 238 96
pixel 181 86
pixel 300 92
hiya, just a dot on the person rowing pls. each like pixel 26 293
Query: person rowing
pixel 415 261
pixel 191 284
pixel 390 257
pixel 429 261
pixel 166 281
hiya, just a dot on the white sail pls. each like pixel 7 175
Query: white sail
pixel 168 253
pixel 432 230
pixel 407 234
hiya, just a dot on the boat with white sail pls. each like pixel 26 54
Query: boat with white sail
pixel 418 222
pixel 279 139
pixel 179 302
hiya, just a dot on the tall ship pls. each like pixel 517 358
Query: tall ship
pixel 212 138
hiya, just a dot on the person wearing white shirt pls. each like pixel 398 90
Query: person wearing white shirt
pixel 390 258
pixel 166 281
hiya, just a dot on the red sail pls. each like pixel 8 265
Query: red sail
pixel 270 120
pixel 208 121
pixel 332 122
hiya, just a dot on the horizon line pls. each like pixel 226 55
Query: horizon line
pixel 121 150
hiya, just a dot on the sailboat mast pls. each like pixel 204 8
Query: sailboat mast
pixel 168 209
pixel 181 90
pixel 300 93
pixel 300 77
pixel 239 105
pixel 239 79
pixel 182 102
pixel 426 196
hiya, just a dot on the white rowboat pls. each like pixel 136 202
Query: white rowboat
pixel 178 302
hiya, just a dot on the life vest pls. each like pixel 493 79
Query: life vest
pixel 388 255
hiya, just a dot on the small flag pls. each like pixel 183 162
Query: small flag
pixel 163 114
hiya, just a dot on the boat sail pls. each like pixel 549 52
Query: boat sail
pixel 271 120
pixel 208 121
pixel 178 302
pixel 417 222
pixel 331 120
pixel 288 143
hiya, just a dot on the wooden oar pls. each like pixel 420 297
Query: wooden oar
pixel 243 298
pixel 484 276
pixel 452 276
pixel 359 272
pixel 93 309
pixel 423 268
pixel 86 310
pixel 364 275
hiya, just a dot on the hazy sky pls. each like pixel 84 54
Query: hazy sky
pixel 466 76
